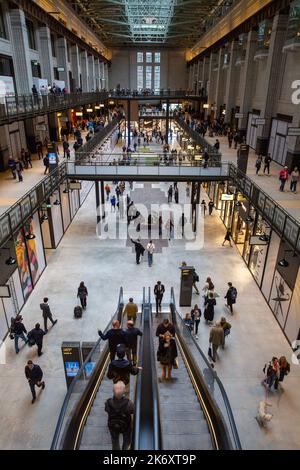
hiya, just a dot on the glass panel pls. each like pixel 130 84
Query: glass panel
pixel 293 29
pixel 2 24
pixel 269 209
pixel 4 228
pixel 279 219
pixel 291 231
pixel 140 77
pixel 148 57
pixel 157 57
pixel 149 76
pixel 23 264
pixel 140 57
pixel 156 77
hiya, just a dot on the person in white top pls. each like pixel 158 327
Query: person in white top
pixel 150 249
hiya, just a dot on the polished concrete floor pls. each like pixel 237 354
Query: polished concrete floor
pixel 106 265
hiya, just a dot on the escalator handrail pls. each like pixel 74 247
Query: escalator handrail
pixel 237 443
pixel 154 392
pixel 58 429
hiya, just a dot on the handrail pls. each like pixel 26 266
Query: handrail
pixel 147 431
pixel 154 93
pixel 58 430
pixel 220 419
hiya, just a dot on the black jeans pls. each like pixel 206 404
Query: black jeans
pixel 32 385
pixel 229 305
pixel 196 326
pixel 45 321
pixel 115 439
pixel 39 348
pixel 267 167
pixel 83 301
pixel 158 300
pixel 293 186
pixel 137 257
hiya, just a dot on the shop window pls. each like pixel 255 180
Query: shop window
pixel 140 78
pixel 6 66
pixel 148 76
pixel 56 73
pixel 3 33
pixel 36 69
pixel 31 34
pixel 157 77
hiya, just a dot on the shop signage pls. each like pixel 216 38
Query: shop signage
pixel 260 121
pixel 4 291
pixel 239 115
pixel 72 360
pixel 227 197
pixel 293 131
pixel 75 185
pixel 255 240
pixel 198 157
pixel 60 69
pixel 40 127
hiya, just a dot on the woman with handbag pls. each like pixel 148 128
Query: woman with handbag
pixel 208 287
pixel 167 355
pixel 226 327
pixel 196 315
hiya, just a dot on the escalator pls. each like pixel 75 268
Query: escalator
pixel 82 420
pixel 194 410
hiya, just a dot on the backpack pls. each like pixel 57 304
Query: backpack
pixel 118 421
pixel 233 294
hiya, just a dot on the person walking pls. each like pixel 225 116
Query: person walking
pixel 107 191
pixel 159 290
pixel 230 139
pixel 150 250
pixel 119 410
pixel 226 327
pixel 19 170
pixel 34 375
pixel 208 287
pixel 113 203
pixel 163 327
pixel 39 149
pixel 167 355
pixel 203 205
pixel 115 336
pixel 176 195
pixel 216 339
pixel 132 334
pixel 120 369
pixel 82 294
pixel 209 310
pixel 272 373
pixel 36 336
pixel 217 145
pixel 131 310
pixel 258 164
pixel 283 177
pixel 231 296
pixel 294 179
pixel 195 279
pixel 19 331
pixel 196 316
pixel 170 226
pixel 284 368
pixel 170 193
pixel 139 250
pixel 267 162
pixel 47 315
pixel 227 237
pixel 65 147
pixel 12 166
pixel 210 207
pixel 46 164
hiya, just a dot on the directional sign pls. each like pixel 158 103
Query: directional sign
pixel 227 197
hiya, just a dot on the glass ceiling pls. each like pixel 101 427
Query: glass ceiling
pixel 149 20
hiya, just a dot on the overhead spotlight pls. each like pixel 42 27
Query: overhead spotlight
pixel 66 191
pixel 56 203
pixel 264 238
pixel 30 236
pixel 44 217
pixel 10 261
pixel 283 263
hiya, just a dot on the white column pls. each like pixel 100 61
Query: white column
pixel 21 57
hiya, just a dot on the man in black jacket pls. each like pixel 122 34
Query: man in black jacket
pixel 119 410
pixel 159 290
pixel 230 296
pixel 132 334
pixel 47 314
pixel 120 369
pixel 19 330
pixel 34 375
pixel 115 337
pixel 163 327
pixel 139 250
pixel 37 335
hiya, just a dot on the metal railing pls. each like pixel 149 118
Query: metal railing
pixel 154 93
pixel 212 381
pixel 80 383
pixel 21 106
pixel 196 137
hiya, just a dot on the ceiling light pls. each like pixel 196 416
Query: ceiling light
pixel 66 191
pixel 56 203
pixel 10 261
pixel 264 238
pixel 44 217
pixel 283 263
pixel 30 236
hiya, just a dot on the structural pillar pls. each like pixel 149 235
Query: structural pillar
pixel 231 81
pixel 128 122
pixel 246 80
pixel 62 61
pixel 102 200
pixel 84 70
pixel 218 99
pixel 97 202
pixel 75 64
pixel 21 55
pixel 97 74
pixel 167 121
pixel 46 54
pixel 91 73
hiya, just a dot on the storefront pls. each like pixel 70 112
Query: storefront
pixel 251 136
pixel 278 139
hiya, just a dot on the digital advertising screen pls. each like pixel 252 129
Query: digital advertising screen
pixel 72 368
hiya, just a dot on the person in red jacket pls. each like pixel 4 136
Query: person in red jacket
pixel 283 177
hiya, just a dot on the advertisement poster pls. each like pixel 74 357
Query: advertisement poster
pixel 32 252
pixel 22 260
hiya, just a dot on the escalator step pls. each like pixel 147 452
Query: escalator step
pixel 95 447
pixel 187 442
pixel 182 415
pixel 188 427
pixel 96 435
pixel 97 419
